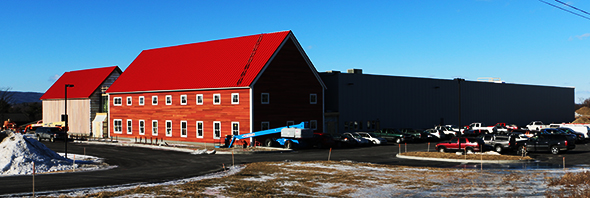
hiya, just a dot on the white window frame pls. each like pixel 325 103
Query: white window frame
pixel 155 132
pixel 313 124
pixel 199 129
pixel 219 97
pixel 141 127
pixel 156 100
pixel 235 95
pixel 262 98
pixel 199 99
pixel 141 100
pixel 183 128
pixel 129 126
pixel 129 100
pixel 168 129
pixel 262 128
pixel 168 99
pixel 313 96
pixel 290 123
pixel 115 99
pixel 181 99
pixel 120 126
pixel 216 123
pixel 233 131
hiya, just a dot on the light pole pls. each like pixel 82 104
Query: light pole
pixel 65 117
pixel 459 90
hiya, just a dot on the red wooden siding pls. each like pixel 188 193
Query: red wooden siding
pixel 289 81
pixel 226 113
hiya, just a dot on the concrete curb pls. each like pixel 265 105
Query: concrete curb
pixel 186 150
pixel 461 160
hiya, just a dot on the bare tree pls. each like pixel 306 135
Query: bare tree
pixel 6 99
pixel 586 102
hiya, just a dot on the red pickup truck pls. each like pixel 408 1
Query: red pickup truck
pixel 460 144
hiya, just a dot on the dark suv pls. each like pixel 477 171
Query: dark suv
pixel 554 143
pixel 49 133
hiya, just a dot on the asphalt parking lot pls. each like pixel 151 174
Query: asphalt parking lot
pixel 140 165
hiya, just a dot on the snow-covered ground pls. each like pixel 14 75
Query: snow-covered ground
pixel 18 156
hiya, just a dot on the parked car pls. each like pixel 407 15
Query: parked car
pixel 435 134
pixel 50 133
pixel 519 136
pixel 374 139
pixel 393 135
pixel 554 143
pixel 362 141
pixel 415 135
pixel 579 136
pixel 571 136
pixel 323 140
pixel 501 143
pixel 344 140
pixel 460 144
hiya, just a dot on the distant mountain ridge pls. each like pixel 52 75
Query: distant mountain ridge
pixel 25 97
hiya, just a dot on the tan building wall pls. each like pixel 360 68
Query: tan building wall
pixel 78 112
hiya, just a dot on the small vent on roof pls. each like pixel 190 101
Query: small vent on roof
pixel 354 71
pixel 490 79
pixel 333 71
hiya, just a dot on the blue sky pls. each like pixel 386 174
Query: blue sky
pixel 519 41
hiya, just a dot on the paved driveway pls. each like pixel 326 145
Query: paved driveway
pixel 146 165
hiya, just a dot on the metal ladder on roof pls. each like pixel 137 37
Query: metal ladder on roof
pixel 249 60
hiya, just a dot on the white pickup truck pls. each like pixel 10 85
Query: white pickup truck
pixel 536 126
pixel 480 126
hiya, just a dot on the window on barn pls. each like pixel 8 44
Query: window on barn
pixel 141 100
pixel 129 127
pixel 154 127
pixel 168 100
pixel 235 128
pixel 235 98
pixel 199 99
pixel 117 126
pixel 168 128
pixel 183 99
pixel 154 100
pixel 216 130
pixel 183 128
pixel 199 129
pixel 141 127
pixel 128 100
pixel 117 101
pixel 265 98
pixel 265 126
pixel 313 98
pixel 216 99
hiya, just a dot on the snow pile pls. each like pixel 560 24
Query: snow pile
pixel 17 155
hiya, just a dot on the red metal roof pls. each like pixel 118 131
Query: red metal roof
pixel 85 83
pixel 212 64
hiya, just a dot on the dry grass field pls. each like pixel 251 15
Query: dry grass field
pixel 348 179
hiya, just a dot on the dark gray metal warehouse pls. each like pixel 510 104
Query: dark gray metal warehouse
pixel 365 102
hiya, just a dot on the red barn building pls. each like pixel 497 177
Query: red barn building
pixel 202 92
